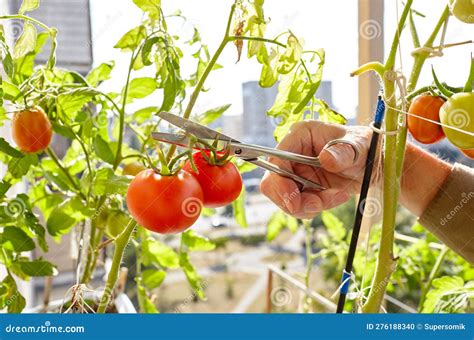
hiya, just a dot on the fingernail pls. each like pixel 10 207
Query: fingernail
pixel 312 208
pixel 334 152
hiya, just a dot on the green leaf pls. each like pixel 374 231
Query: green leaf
pixel 153 278
pixel 15 239
pixel 195 242
pixel 140 88
pixel 269 74
pixel 18 167
pixel 238 207
pixel 156 252
pixel 100 73
pixel 275 225
pixel 333 225
pixel 291 57
pixel 107 183
pixel 150 6
pixel 328 115
pixel 10 297
pixel 69 103
pixel 4 187
pixel 10 91
pixel 211 115
pixel 66 215
pixel 194 279
pixel 37 268
pixel 103 150
pixel 144 114
pixel 443 288
pixel 8 149
pixel 28 6
pixel 146 305
pixel 26 43
pixel 132 39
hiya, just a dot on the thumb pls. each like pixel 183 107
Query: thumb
pixel 337 158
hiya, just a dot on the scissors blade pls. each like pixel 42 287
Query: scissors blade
pixel 194 128
pixel 184 141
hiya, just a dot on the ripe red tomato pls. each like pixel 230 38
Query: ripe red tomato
pixel 165 204
pixel 468 152
pixel 425 106
pixel 221 184
pixel 31 130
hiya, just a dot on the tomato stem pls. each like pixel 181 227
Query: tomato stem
pixel 120 243
pixel 434 272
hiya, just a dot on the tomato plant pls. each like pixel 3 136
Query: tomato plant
pixel 165 204
pixel 463 10
pixel 221 182
pixel 425 106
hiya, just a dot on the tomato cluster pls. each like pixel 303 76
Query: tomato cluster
pixel 172 203
pixel 456 115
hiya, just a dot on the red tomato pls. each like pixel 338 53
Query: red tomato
pixel 221 184
pixel 164 204
pixel 425 106
pixel 31 130
pixel 468 152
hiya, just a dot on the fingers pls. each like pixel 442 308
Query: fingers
pixel 341 158
pixel 285 193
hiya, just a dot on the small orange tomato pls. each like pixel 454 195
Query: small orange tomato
pixel 468 152
pixel 423 131
pixel 133 168
pixel 31 130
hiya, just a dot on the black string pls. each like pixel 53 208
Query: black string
pixel 369 164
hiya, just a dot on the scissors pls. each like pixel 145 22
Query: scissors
pixel 248 152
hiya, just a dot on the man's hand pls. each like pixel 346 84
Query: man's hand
pixel 339 173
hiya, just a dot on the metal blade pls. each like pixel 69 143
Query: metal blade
pixel 194 128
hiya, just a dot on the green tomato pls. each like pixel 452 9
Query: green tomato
pixel 463 10
pixel 458 111
pixel 116 223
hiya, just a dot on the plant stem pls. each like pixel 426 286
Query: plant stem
pixel 271 41
pixel 385 260
pixel 434 272
pixel 56 160
pixel 120 243
pixel 209 67
pixel 118 156
pixel 309 262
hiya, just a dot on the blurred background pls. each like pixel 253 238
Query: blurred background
pixel 351 33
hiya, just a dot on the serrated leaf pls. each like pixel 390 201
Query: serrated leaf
pixel 158 253
pixel 107 183
pixel 18 167
pixel 152 278
pixel 26 43
pixel 328 115
pixel 238 206
pixel 194 279
pixel 152 7
pixel 103 150
pixel 37 268
pixel 211 115
pixel 66 215
pixel 144 114
pixel 275 225
pixel 10 297
pixel 131 39
pixel 8 149
pixel 28 6
pixel 100 73
pixel 195 242
pixel 15 239
pixel 140 88
pixel 69 103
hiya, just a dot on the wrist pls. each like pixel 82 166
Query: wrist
pixel 422 177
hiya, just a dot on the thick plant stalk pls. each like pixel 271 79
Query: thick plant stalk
pixel 394 156
pixel 391 190
pixel 120 243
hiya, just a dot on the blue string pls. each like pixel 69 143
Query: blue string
pixel 346 279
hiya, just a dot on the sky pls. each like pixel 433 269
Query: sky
pixel 331 25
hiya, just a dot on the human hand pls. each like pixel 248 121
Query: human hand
pixel 339 172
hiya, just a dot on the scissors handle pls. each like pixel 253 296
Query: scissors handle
pixel 251 151
pixel 304 183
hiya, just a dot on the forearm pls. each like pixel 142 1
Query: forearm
pixel 422 177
